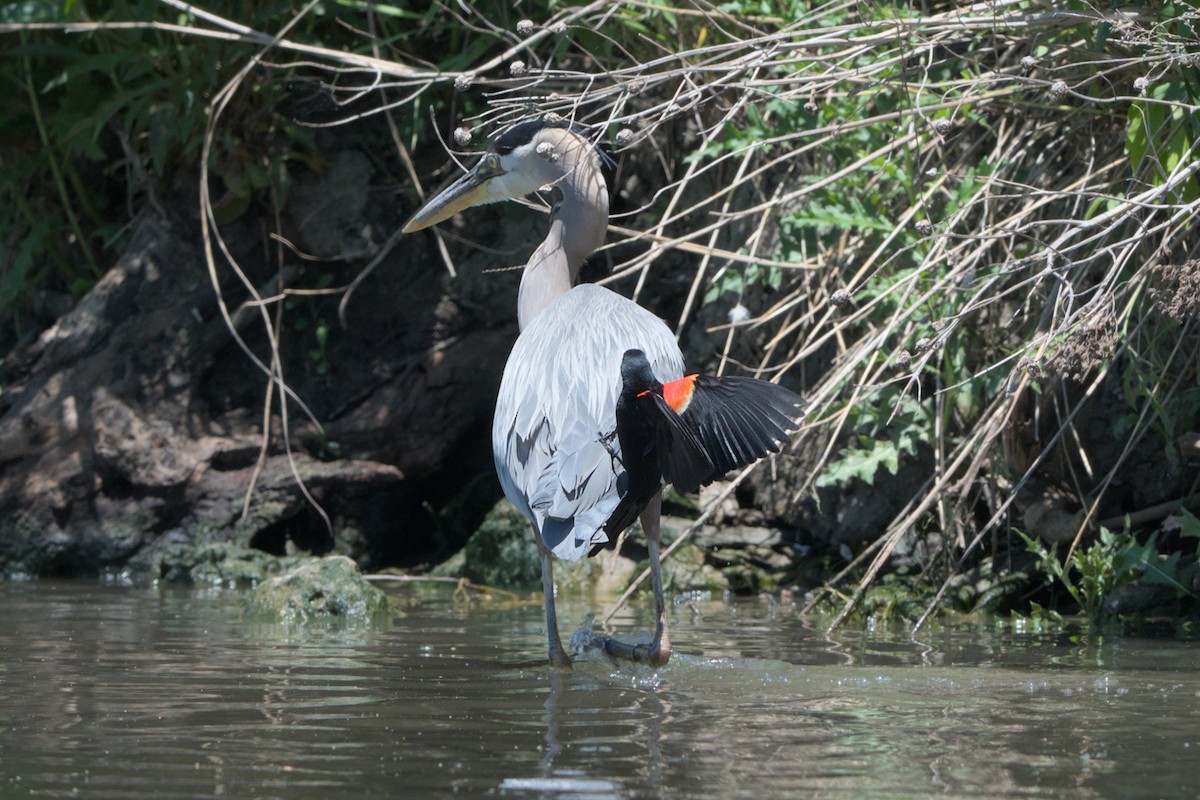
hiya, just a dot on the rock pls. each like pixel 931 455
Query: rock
pixel 687 570
pixel 1135 598
pixel 501 553
pixel 319 589
pixel 745 579
pixel 737 536
pixel 728 509
pixel 220 564
pixel 744 558
pixel 135 422
pixel 605 575
pixel 327 207
pixel 998 590
pixel 1046 514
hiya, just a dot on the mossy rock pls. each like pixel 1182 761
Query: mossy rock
pixel 901 595
pixel 319 589
pixel 686 570
pixel 607 572
pixel 746 579
pixel 503 554
pixel 220 564
pixel 500 553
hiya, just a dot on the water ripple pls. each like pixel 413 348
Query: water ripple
pixel 124 693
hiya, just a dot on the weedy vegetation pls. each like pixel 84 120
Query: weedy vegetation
pixel 967 231
pixel 1094 574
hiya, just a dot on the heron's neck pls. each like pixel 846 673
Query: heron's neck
pixel 577 227
pixel 548 276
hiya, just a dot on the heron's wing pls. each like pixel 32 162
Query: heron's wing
pixel 577 478
pixel 565 483
pixel 739 420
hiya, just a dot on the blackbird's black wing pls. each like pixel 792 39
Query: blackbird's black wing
pixel 739 420
pixel 681 455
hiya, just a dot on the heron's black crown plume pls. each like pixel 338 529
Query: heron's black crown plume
pixel 522 134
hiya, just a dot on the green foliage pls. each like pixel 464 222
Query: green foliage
pixel 890 426
pixel 864 206
pixel 1039 620
pixel 765 126
pixel 931 312
pixel 837 213
pixel 309 321
pixel 1114 560
pixel 1159 135
pixel 98 125
pixel 735 279
pixel 1157 373
pixel 940 245
pixel 1189 527
pixel 112 117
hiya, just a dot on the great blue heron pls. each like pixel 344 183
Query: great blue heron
pixel 565 456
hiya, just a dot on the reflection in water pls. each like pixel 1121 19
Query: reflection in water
pixel 125 693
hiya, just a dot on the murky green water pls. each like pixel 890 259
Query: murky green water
pixel 129 693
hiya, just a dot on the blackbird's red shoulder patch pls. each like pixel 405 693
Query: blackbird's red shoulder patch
pixel 678 394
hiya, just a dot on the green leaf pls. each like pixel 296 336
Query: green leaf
pixel 851 214
pixel 863 462
pixel 13 281
pixel 1159 134
pixel 1189 524
pixel 1165 572
pixel 377 8
pixel 29 12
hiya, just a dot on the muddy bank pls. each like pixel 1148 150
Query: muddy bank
pixel 135 422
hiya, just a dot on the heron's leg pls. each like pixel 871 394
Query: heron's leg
pixel 558 656
pixel 660 648
pixel 658 652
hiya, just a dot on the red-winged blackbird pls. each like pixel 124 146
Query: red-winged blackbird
pixel 692 431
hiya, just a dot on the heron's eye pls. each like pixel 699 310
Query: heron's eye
pixel 492 162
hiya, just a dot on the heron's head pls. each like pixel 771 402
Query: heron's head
pixel 525 158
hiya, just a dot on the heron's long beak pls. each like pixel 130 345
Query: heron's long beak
pixel 469 190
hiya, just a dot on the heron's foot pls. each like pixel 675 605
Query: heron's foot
pixel 559 658
pixel 587 640
pixel 655 654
